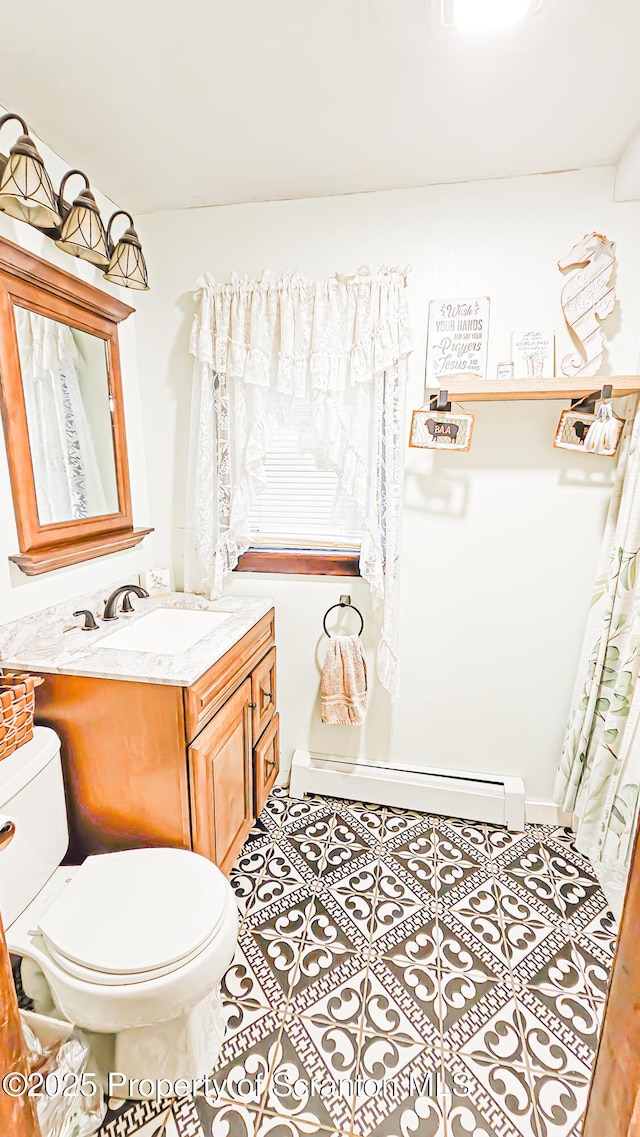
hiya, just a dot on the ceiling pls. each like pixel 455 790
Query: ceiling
pixel 172 105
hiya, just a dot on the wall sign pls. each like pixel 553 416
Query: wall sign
pixel 533 353
pixel 588 297
pixel 572 431
pixel 441 430
pixel 457 339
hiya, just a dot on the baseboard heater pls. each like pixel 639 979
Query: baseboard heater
pixel 453 793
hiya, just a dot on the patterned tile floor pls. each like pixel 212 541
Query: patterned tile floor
pixel 402 975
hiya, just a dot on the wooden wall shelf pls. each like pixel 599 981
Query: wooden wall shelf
pixel 515 390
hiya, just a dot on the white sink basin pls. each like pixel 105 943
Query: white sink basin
pixel 165 631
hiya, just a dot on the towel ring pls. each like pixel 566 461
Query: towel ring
pixel 344 602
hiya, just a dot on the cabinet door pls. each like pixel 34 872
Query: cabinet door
pixel 263 691
pixel 266 762
pixel 220 780
pixel 17 1115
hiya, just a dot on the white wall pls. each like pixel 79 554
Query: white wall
pixel 500 545
pixel 20 594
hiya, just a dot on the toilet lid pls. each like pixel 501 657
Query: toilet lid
pixel 136 914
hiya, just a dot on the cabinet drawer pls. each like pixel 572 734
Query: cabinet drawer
pixel 208 694
pixel 263 693
pixel 266 763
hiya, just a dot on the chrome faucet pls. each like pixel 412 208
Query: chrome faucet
pixel 111 605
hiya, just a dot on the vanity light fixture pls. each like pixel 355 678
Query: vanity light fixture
pixel 83 232
pixel 127 266
pixel 26 192
pixel 486 15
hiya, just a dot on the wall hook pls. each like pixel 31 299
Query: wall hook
pixel 588 402
pixel 440 402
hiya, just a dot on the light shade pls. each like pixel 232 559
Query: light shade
pixel 26 192
pixel 489 15
pixel 83 233
pixel 127 265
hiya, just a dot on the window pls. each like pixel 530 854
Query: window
pixel 297 523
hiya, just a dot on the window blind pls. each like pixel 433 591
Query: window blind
pixel 300 506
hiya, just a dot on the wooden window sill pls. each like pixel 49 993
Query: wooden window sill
pixel 302 561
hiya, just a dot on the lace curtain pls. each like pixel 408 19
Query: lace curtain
pixel 65 467
pixel 258 347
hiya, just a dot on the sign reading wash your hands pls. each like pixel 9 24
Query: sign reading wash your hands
pixel 457 338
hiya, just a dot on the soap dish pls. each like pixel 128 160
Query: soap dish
pixel 42 646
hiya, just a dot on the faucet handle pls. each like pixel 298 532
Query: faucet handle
pixel 89 620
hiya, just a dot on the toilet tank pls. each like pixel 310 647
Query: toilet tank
pixel 32 799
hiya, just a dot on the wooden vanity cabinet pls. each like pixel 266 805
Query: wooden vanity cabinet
pixel 152 764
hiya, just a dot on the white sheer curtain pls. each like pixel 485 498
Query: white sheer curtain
pixel 65 468
pixel 259 346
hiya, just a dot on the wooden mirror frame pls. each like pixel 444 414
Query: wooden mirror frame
pixel 32 283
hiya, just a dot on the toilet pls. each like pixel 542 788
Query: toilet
pixel 132 945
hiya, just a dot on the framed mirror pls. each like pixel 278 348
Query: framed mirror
pixel 63 414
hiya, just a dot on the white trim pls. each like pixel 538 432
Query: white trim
pixel 458 793
pixel 546 813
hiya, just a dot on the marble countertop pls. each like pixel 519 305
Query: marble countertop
pixel 88 653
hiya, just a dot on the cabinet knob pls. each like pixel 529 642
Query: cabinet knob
pixel 253 706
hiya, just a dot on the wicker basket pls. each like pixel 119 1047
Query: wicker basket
pixel 17 707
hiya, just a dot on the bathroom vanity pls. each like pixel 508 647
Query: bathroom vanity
pixel 173 749
pixel 167 715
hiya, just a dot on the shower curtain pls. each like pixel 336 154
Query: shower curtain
pixel 65 468
pixel 259 347
pixel 599 770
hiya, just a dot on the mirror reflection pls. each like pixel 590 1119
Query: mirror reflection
pixel 66 393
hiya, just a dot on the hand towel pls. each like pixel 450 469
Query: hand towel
pixel 344 682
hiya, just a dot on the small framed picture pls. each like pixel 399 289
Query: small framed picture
pixel 573 428
pixel 533 351
pixel 441 430
pixel 157 581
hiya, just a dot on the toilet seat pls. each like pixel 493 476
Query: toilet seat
pixel 170 905
pixel 118 979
